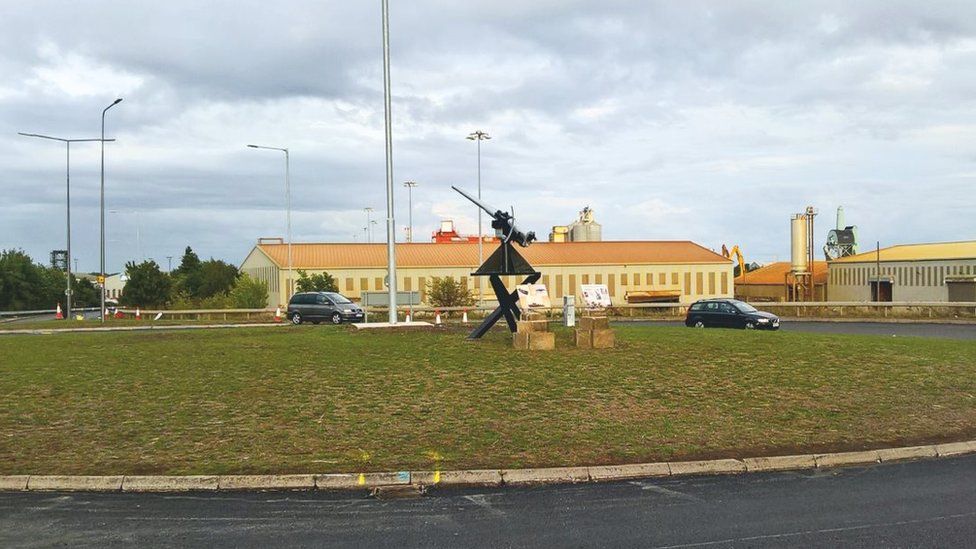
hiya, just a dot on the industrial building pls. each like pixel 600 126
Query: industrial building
pixel 675 271
pixel 937 272
pixel 584 229
pixel 769 283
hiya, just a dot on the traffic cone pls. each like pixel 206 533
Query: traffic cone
pixel 408 317
pixel 59 315
pixel 464 317
pixel 277 315
pixel 437 318
pixel 138 314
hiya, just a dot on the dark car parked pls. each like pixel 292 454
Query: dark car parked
pixel 729 313
pixel 315 307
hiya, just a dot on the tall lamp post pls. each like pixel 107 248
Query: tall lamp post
pixel 101 262
pixel 67 179
pixel 288 287
pixel 410 185
pixel 479 136
pixel 138 230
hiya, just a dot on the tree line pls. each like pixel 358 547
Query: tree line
pixel 211 284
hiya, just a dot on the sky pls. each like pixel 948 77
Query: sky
pixel 704 121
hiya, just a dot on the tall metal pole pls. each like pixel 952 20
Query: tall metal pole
pixel 291 275
pixel 67 143
pixel 390 226
pixel 479 136
pixel 67 193
pixel 101 312
pixel 369 230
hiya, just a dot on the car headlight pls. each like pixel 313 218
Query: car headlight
pixel 762 320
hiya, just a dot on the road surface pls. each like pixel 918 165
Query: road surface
pixel 928 503
pixel 897 329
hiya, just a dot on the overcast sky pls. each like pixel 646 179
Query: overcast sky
pixel 708 121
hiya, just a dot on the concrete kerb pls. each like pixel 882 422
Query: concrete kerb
pixel 477 477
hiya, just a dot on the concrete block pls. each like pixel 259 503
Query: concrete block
pixel 13 482
pixel 546 475
pixel 266 482
pixel 542 341
pixel 710 467
pixel 636 470
pixel 949 449
pixel 603 339
pixel 779 463
pixel 584 339
pixel 520 340
pixel 847 458
pixel 75 483
pixel 590 323
pixel 159 483
pixel 484 477
pixel 909 452
pixel 352 481
pixel 533 325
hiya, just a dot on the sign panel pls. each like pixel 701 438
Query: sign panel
pixel 533 296
pixel 595 296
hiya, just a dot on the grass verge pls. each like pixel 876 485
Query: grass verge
pixel 326 399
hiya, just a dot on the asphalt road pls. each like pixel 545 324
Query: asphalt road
pixel 920 504
pixel 897 329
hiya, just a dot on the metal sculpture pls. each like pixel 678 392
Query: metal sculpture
pixel 505 261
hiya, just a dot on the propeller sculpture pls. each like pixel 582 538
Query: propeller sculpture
pixel 505 261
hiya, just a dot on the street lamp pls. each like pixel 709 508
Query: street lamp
pixel 67 150
pixel 369 234
pixel 371 225
pixel 101 278
pixel 479 136
pixel 410 185
pixel 138 230
pixel 288 288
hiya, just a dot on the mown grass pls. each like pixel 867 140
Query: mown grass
pixel 124 322
pixel 326 399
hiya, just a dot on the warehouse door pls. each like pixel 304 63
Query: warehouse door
pixel 881 291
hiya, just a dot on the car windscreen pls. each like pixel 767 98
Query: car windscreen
pixel 745 307
pixel 338 298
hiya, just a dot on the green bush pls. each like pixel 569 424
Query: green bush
pixel 249 293
pixel 447 292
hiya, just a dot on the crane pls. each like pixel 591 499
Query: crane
pixel 727 253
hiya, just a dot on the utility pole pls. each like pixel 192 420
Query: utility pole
pixel 410 185
pixel 479 136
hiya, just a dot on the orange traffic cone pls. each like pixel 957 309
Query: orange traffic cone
pixel 138 314
pixel 277 315
pixel 464 317
pixel 437 318
pixel 59 315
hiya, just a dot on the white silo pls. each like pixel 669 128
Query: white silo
pixel 799 238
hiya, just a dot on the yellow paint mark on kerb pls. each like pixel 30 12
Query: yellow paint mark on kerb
pixel 362 479
pixel 437 477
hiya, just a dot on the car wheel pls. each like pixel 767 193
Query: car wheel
pixel 336 318
pixel 750 325
pixel 296 318
pixel 699 324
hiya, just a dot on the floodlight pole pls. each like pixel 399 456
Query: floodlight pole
pixel 410 185
pixel 67 148
pixel 390 226
pixel 291 275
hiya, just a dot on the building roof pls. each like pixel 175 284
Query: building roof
pixel 775 274
pixel 917 252
pixel 465 254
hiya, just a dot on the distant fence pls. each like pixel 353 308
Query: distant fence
pixel 818 309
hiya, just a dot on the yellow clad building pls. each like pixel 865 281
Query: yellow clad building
pixel 676 271
pixel 942 271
